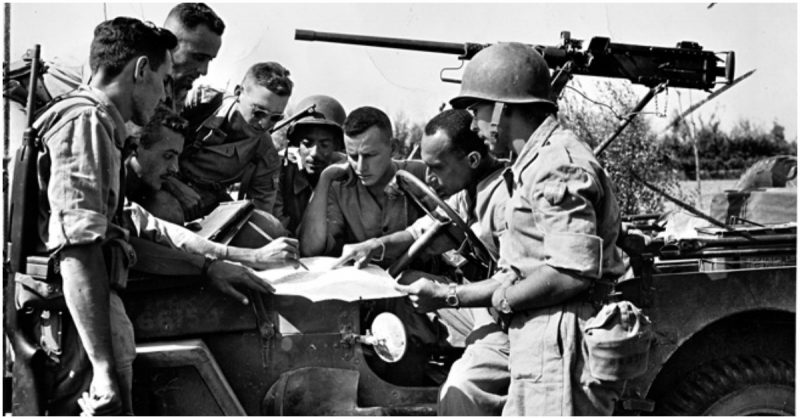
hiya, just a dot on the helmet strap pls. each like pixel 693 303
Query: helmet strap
pixel 497 113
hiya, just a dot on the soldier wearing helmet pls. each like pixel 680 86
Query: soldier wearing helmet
pixel 315 141
pixel 563 222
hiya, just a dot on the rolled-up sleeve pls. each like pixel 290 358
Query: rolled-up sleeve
pixel 563 205
pixel 84 174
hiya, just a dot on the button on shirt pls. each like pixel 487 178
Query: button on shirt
pixel 79 171
pixel 353 214
pixel 563 211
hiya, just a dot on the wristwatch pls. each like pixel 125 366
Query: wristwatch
pixel 505 308
pixel 452 297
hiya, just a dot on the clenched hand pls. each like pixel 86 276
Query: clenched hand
pixel 104 398
pixel 425 294
pixel 188 197
pixel 275 254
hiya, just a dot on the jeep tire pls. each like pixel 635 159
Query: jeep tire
pixel 736 386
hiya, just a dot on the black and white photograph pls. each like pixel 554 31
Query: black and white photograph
pixel 399 209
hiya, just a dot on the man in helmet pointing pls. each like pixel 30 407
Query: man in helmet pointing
pixel 563 222
pixel 315 142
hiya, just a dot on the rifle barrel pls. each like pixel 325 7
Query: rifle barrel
pixel 465 50
pixel 32 84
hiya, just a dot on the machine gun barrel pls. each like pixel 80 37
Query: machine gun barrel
pixel 687 65
pixel 465 50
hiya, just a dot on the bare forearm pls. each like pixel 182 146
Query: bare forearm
pixel 545 287
pixel 86 291
pixel 188 241
pixel 314 228
pixel 477 294
pixel 397 243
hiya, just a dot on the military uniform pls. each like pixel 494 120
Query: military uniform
pixel 216 156
pixel 563 213
pixel 79 185
pixel 354 215
pixel 477 382
pixel 294 193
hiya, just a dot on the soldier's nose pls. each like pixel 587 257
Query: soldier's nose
pixel 203 70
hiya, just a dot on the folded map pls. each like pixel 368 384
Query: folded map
pixel 320 282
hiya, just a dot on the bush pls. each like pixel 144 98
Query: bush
pixel 724 155
pixel 407 134
pixel 635 148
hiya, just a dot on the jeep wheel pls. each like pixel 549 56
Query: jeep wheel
pixel 737 386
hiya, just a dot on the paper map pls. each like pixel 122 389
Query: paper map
pixel 321 282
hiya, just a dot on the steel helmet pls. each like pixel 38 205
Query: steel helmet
pixel 506 72
pixel 328 112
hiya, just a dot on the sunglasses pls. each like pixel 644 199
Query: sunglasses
pixel 261 114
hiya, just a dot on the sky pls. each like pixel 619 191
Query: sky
pixel 763 36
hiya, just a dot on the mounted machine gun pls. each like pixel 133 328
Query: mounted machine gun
pixel 687 65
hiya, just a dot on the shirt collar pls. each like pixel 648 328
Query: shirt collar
pixel 113 112
pixel 531 148
pixel 218 118
pixel 496 171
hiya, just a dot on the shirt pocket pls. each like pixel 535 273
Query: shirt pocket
pixel 523 220
pixel 225 150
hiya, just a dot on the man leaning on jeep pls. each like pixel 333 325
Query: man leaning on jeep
pixel 80 173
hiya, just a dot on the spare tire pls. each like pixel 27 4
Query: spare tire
pixel 772 172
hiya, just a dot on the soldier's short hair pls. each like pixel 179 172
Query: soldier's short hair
pixel 192 14
pixel 119 40
pixel 271 75
pixel 164 117
pixel 457 125
pixel 365 117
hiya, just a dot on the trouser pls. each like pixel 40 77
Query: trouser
pixel 68 375
pixel 549 375
pixel 478 381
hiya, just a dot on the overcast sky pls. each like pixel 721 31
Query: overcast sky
pixel 764 37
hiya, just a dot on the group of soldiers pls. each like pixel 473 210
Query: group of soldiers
pixel 135 152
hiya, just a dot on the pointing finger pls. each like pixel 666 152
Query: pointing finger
pixel 341 261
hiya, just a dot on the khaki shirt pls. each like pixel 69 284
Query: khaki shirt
pixel 484 212
pixel 354 215
pixel 79 178
pixel 563 211
pixel 79 170
pixel 216 157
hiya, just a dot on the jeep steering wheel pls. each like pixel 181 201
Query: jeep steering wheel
pixel 426 198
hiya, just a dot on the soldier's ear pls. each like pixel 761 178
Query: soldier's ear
pixel 140 67
pixel 237 90
pixel 474 159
